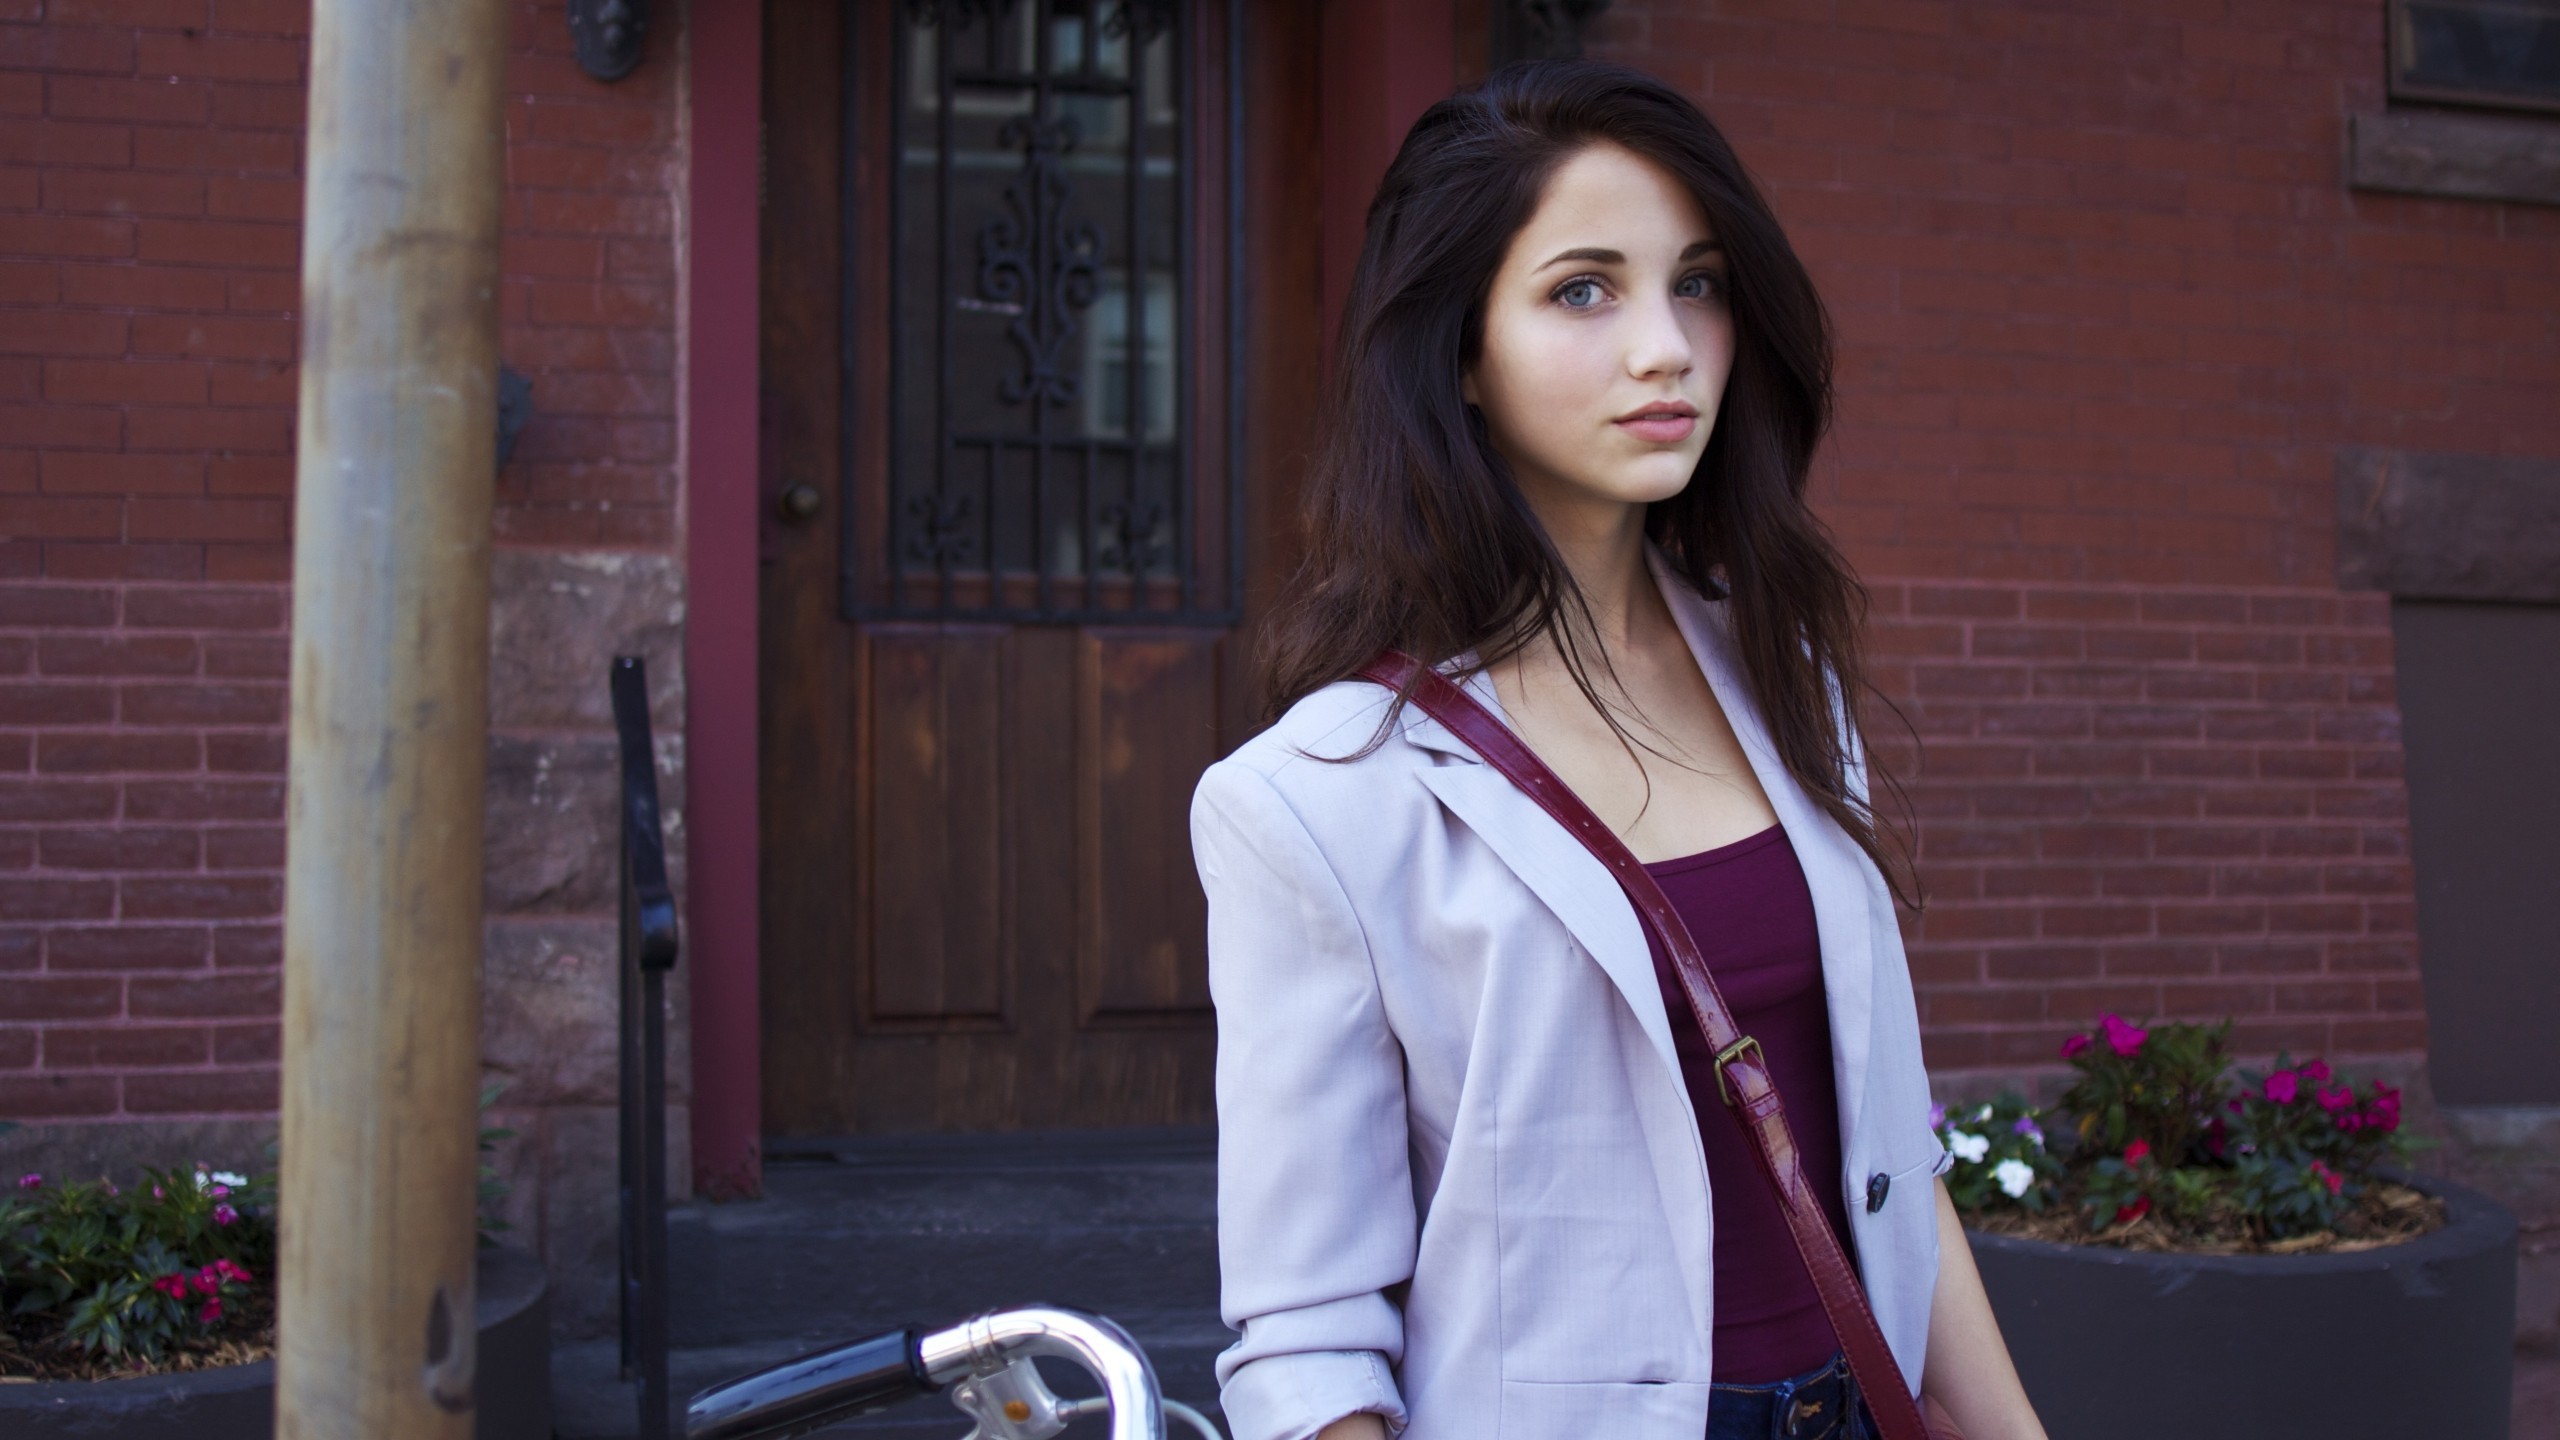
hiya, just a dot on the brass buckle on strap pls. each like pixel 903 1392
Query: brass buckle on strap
pixel 1727 1056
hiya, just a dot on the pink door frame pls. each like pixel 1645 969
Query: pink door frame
pixel 1384 62
pixel 721 513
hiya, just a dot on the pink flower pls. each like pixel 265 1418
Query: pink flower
pixel 2316 1071
pixel 2282 1086
pixel 173 1286
pixel 2216 1136
pixel 30 1181
pixel 2124 1039
pixel 218 1191
pixel 2384 1113
pixel 2137 1152
pixel 2350 1121
pixel 231 1271
pixel 1937 1116
pixel 224 1214
pixel 156 1193
pixel 2140 1207
pixel 2072 1047
pixel 2327 1176
pixel 208 1281
pixel 2333 1098
pixel 212 1312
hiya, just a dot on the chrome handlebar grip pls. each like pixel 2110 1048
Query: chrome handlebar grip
pixel 817 1390
pixel 1000 1337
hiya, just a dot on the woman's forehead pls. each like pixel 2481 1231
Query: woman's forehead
pixel 1607 198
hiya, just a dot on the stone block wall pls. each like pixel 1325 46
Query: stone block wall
pixel 150 195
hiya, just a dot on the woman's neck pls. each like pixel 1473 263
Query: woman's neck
pixel 1602 546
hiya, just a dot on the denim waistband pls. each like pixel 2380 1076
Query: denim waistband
pixel 1820 1404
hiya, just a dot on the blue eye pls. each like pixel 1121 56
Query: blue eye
pixel 1700 285
pixel 1580 293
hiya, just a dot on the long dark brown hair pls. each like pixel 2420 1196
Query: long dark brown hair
pixel 1417 536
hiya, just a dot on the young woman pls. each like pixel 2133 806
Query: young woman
pixel 1474 1177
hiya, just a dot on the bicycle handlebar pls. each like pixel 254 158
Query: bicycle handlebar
pixel 820 1389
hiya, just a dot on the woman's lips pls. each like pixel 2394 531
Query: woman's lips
pixel 1661 429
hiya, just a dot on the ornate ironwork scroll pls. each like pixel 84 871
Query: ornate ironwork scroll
pixel 1040 330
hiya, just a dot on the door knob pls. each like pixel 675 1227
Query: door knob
pixel 797 503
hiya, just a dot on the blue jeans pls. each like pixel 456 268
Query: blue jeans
pixel 1820 1404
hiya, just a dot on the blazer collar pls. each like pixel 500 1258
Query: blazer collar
pixel 1582 893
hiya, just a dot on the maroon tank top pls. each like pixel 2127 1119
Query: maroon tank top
pixel 1751 913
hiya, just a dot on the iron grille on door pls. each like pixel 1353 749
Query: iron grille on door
pixel 1042 348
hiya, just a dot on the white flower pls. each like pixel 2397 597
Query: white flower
pixel 225 1177
pixel 1968 1148
pixel 2014 1177
pixel 1982 1114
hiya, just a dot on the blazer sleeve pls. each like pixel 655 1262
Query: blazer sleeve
pixel 1315 1198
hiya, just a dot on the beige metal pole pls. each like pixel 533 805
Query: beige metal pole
pixel 390 719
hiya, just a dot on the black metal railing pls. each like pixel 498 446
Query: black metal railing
pixel 648 953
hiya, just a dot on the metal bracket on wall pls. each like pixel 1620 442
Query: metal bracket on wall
pixel 608 33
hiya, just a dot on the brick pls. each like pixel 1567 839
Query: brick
pixel 58 518
pixel 92 1047
pixel 237 754
pixel 215 337
pixel 246 657
pixel 56 606
pixel 77 474
pixel 248 1044
pixel 118 382
pixel 202 608
pixel 268 431
pixel 50 998
pixel 244 849
pixel 196 800
pixel 126 947
pixel 116 654
pixel 208 897
pixel 62 142
pixel 17 1048
pixel 248 947
pixel 201 704
pixel 41 704
pixel 82 97
pixel 73 561
pixel 22 801
pixel 246 996
pixel 56 898
pixel 76 753
pixel 120 849
pixel 57 1097
pixel 122 192
pixel 69 237
pixel 175 519
pixel 219 57
pixel 21 950
pixel 218 1092
pixel 144 287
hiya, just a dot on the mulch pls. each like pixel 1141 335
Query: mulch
pixel 2386 1214
pixel 30 1352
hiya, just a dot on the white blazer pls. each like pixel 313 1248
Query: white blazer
pixel 1459 1180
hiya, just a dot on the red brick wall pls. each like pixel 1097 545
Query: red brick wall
pixel 2107 312
pixel 150 189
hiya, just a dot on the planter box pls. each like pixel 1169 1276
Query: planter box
pixel 2409 1339
pixel 238 1403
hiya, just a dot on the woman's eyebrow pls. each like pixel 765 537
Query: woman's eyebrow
pixel 1594 255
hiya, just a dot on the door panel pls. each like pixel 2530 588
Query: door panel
pixel 934 807
pixel 1005 613
pixel 1150 704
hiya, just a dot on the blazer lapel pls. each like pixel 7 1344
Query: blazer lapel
pixel 1834 867
pixel 1568 879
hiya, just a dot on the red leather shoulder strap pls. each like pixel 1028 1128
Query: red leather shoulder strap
pixel 1742 1073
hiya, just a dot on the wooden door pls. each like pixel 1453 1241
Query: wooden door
pixel 1040 293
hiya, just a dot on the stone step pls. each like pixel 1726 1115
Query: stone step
pixel 858 1236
